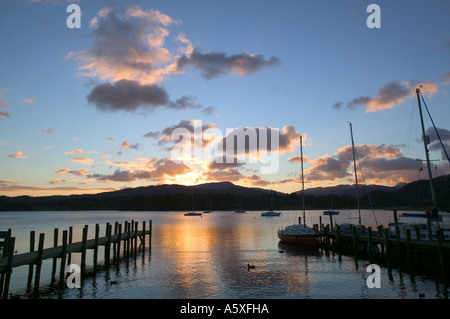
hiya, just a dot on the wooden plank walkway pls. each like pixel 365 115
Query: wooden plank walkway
pixel 56 252
pixel 129 237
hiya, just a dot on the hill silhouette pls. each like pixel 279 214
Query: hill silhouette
pixel 227 196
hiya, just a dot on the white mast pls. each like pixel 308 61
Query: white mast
pixel 303 181
pixel 356 175
pixel 425 144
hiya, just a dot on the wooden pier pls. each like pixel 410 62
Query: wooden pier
pixel 126 236
pixel 412 254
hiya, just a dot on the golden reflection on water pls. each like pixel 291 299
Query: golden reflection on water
pixel 213 251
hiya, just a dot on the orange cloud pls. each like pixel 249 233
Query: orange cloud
pixel 19 154
pixel 83 160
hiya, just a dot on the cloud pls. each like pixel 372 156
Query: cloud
pixel 127 144
pixel 80 172
pixel 19 154
pixel 191 127
pixel 4 114
pixel 389 95
pixel 28 100
pixel 153 134
pixel 3 103
pixel 435 144
pixel 288 137
pixel 212 65
pixel 47 132
pixel 160 170
pixel 446 77
pixel 82 160
pixel 129 95
pixel 130 44
pixel 381 164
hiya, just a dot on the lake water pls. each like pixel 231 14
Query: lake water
pixel 206 258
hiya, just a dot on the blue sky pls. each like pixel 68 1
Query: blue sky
pixel 90 109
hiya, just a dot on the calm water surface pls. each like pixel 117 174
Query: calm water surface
pixel 207 257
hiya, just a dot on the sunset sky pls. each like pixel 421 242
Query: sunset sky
pixel 92 109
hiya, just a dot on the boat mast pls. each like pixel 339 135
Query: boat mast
pixel 303 181
pixel 425 144
pixel 356 175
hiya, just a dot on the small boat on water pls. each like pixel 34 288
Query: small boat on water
pixel 298 234
pixel 270 214
pixel 193 214
pixel 330 212
pixel 206 212
pixel 239 211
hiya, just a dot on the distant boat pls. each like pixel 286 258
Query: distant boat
pixel 297 233
pixel 270 214
pixel 240 210
pixel 330 212
pixel 206 212
pixel 193 214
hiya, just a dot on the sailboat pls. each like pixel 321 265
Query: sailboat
pixel 240 210
pixel 348 227
pixel 271 213
pixel 429 230
pixel 193 213
pixel 299 233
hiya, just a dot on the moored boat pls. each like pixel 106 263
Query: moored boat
pixel 330 212
pixel 270 214
pixel 193 214
pixel 298 234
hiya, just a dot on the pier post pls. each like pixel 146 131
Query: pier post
pixel 55 244
pixel 30 266
pixel 150 235
pixel 440 238
pixel 331 222
pixel 83 250
pixel 355 243
pixel 143 236
pixel 397 230
pixel 97 231
pixel 11 243
pixel 135 236
pixel 108 232
pixel 62 270
pixel 119 238
pixel 430 232
pixel 369 244
pixel 408 248
pixel 39 263
pixel 386 246
pixel 69 241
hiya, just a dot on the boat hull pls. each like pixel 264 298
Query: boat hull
pixel 307 240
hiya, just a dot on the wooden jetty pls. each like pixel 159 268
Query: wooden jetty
pixel 415 254
pixel 127 236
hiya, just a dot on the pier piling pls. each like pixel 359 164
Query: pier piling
pixel 10 260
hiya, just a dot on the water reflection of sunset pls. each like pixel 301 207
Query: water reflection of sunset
pixel 214 251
